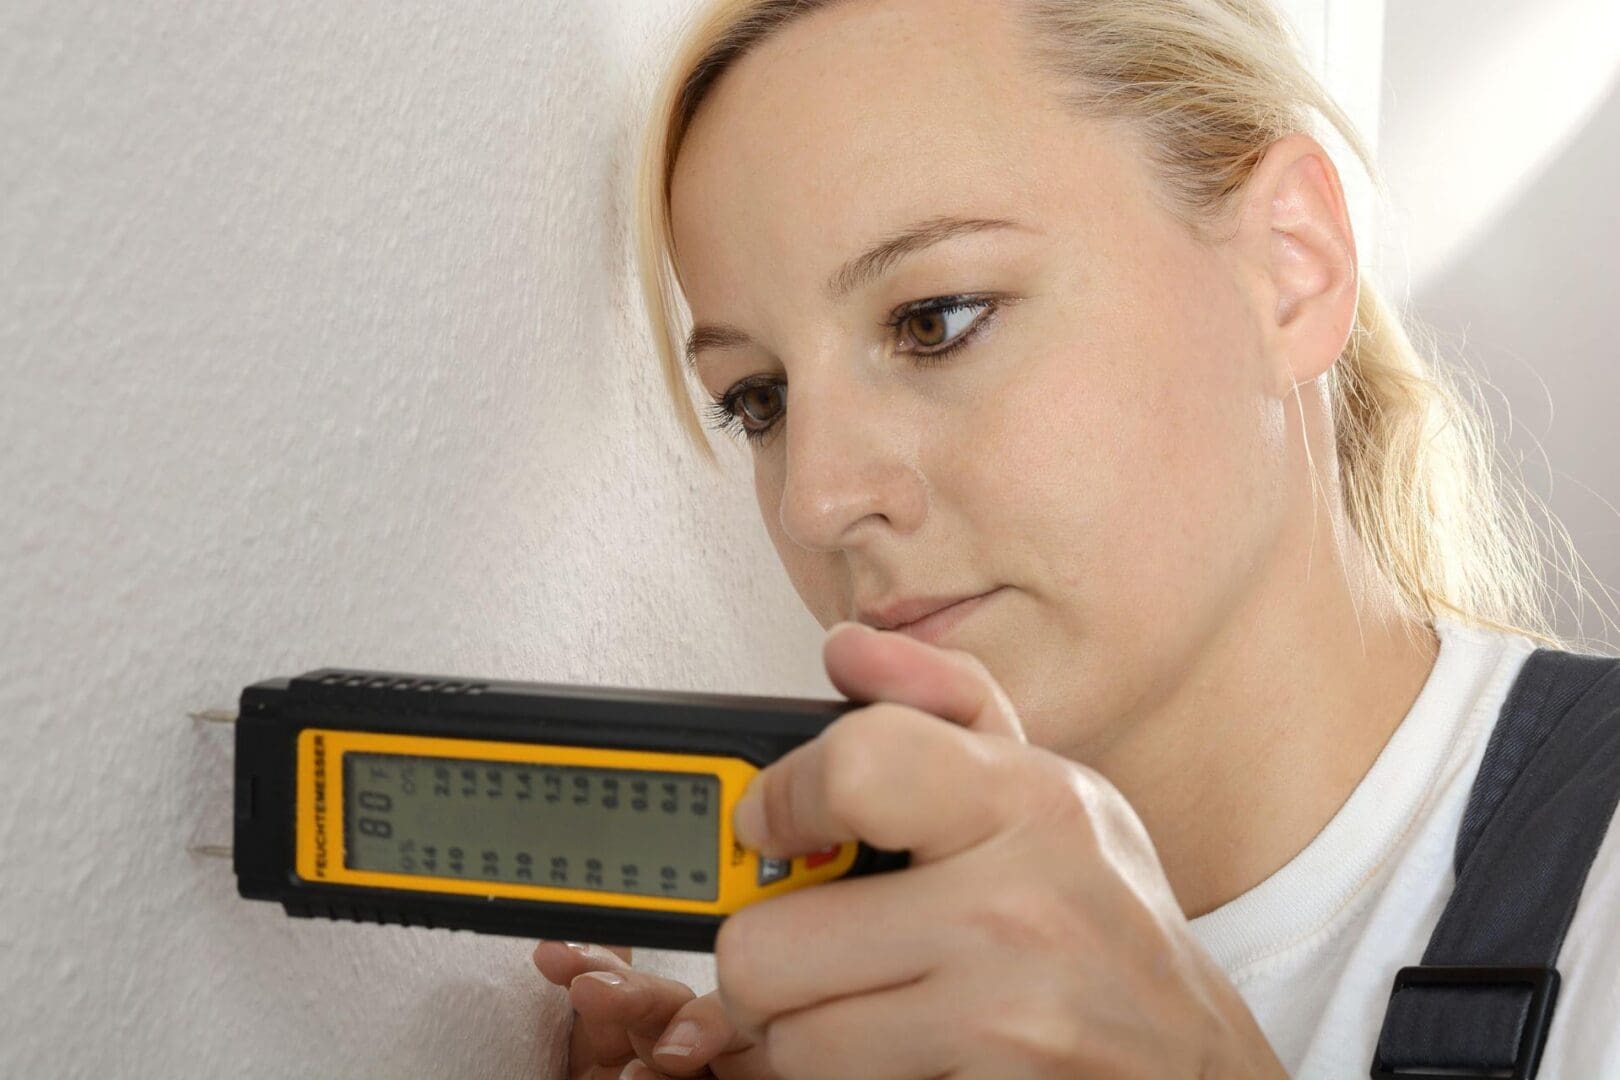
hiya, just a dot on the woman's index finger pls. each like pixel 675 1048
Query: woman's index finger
pixel 871 665
pixel 892 776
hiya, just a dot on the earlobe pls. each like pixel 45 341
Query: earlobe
pixel 1307 248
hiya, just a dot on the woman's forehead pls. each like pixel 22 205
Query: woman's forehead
pixel 859 123
pixel 860 87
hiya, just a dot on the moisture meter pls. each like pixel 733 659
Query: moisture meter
pixel 532 809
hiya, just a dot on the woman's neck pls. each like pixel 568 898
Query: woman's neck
pixel 1281 716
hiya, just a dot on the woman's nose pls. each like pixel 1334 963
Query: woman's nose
pixel 851 456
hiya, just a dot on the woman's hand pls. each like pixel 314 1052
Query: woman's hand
pixel 1033 935
pixel 623 1022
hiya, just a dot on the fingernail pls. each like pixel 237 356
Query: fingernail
pixel 679 1042
pixel 749 819
pixel 636 1070
pixel 601 976
pixel 582 949
pixel 833 629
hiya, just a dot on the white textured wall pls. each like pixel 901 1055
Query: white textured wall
pixel 320 346
pixel 1501 148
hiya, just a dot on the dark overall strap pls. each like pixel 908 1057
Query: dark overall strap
pixel 1483 997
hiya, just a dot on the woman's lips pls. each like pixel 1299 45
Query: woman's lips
pixel 931 628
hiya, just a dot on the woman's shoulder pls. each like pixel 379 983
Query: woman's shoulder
pixel 1515 671
pixel 1541 813
pixel 1471 634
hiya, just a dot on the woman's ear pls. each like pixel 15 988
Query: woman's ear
pixel 1294 234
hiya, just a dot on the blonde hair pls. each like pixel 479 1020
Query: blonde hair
pixel 1208 86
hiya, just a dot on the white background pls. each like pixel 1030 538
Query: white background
pixel 1500 142
pixel 321 347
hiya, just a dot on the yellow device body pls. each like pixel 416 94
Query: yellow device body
pixel 321 828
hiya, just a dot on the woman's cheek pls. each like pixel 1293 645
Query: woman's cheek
pixel 1166 463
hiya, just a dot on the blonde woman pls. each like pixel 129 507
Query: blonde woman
pixel 1190 596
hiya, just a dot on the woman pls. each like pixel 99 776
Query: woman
pixel 1068 299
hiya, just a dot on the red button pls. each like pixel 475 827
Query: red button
pixel 816 858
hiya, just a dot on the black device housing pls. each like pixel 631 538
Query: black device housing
pixel 757 729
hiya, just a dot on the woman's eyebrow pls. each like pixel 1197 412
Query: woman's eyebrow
pixel 882 256
pixel 862 269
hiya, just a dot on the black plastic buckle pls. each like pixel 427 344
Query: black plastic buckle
pixel 1543 984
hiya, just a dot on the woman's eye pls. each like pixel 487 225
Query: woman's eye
pixel 753 398
pixel 938 326
pixel 761 402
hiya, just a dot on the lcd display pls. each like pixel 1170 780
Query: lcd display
pixel 609 830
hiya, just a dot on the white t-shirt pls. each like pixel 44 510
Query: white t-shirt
pixel 1314 948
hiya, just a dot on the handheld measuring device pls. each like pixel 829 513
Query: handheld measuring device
pixel 531 809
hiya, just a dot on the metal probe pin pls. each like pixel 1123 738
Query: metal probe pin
pixel 204 719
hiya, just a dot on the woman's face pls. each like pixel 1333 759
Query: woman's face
pixel 1105 447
